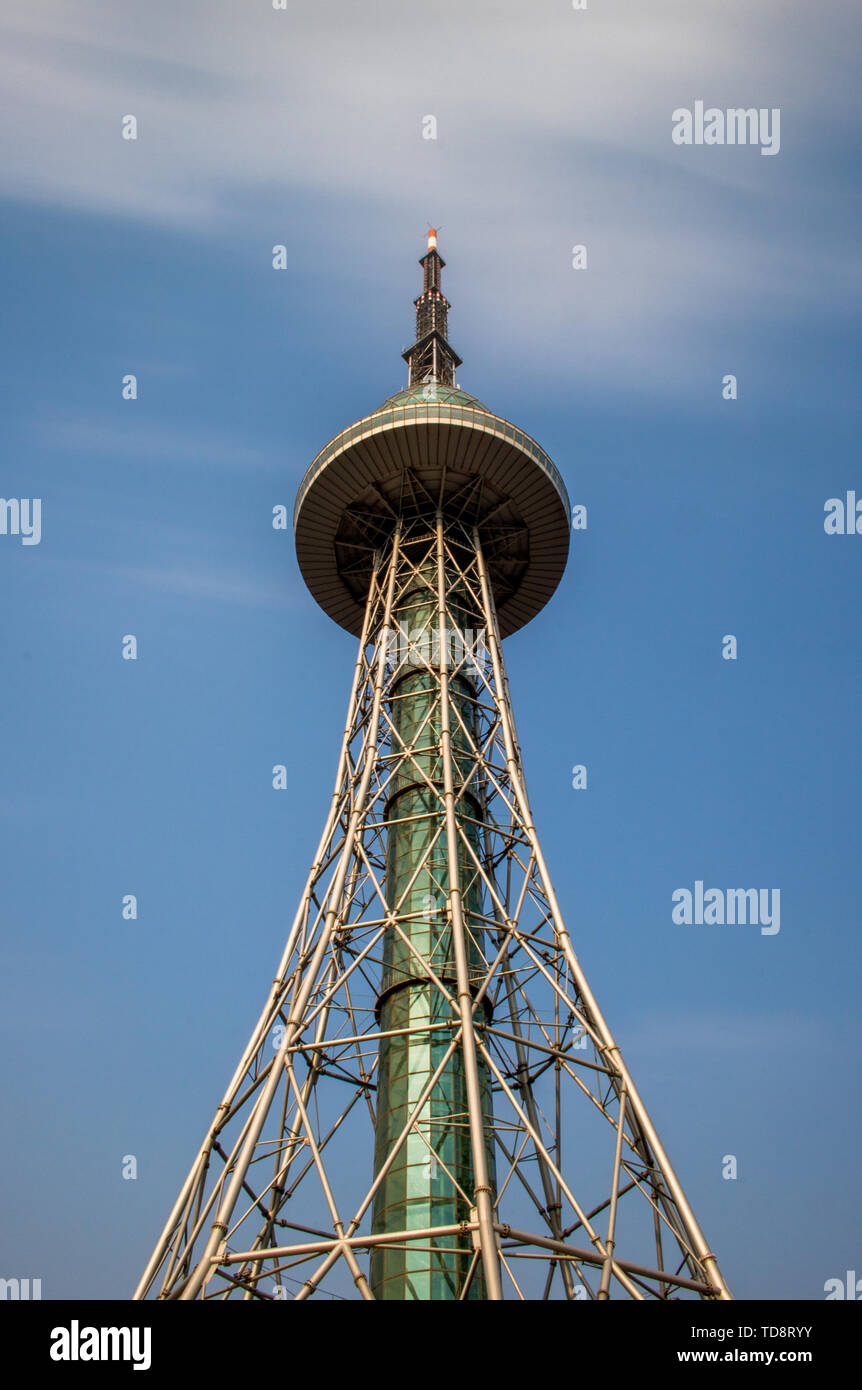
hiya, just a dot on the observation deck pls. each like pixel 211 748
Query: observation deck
pixel 432 444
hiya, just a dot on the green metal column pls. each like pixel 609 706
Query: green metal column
pixel 418 1191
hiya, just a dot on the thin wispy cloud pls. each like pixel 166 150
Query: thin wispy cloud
pixel 211 585
pixel 159 444
pixel 197 577
pixel 554 128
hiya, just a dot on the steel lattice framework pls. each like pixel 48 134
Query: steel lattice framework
pixel 431 1105
pixel 516 1007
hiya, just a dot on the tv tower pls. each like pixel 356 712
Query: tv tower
pixel 431 1104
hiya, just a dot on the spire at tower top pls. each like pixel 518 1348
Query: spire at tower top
pixel 431 359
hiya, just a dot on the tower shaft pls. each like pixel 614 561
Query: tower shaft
pixel 431 886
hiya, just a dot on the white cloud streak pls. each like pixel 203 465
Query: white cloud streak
pixel 554 128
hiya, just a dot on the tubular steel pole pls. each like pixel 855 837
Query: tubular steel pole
pixel 612 1214
pixel 590 1257
pixel 482 1187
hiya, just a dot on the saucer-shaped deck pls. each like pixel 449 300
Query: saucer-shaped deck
pixel 424 445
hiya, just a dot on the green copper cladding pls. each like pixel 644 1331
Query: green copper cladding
pixel 431 1179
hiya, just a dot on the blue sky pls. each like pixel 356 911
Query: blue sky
pixel 705 517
